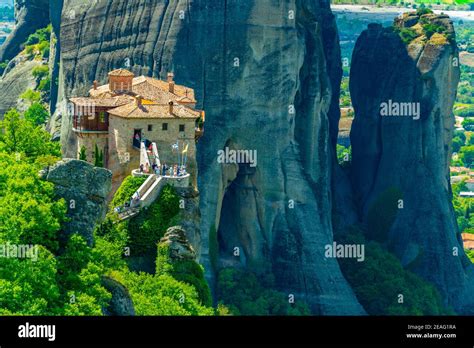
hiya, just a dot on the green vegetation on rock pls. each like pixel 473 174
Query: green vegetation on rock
pixel 146 229
pixel 187 271
pixel 245 293
pixel 52 282
pixel 379 281
pixel 37 114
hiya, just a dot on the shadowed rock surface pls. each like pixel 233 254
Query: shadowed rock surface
pixel 411 156
pixel 30 15
pixel 121 303
pixel 250 63
pixel 16 79
pixel 177 243
pixel 84 188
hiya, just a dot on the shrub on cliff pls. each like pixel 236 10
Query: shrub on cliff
pixel 245 294
pixel 407 35
pixel 187 271
pixel 126 190
pixel 161 294
pixel 37 114
pixel 146 229
pixel 379 281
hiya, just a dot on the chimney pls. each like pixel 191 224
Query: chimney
pixel 171 82
pixel 171 104
pixel 139 100
pixel 95 84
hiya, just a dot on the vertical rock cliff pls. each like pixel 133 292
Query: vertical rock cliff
pixel 264 72
pixel 30 15
pixel 403 92
pixel 85 189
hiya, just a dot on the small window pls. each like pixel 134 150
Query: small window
pixel 164 126
pixel 181 127
pixel 102 117
pixel 150 127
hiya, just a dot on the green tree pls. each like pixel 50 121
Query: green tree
pixel 37 114
pixel 45 85
pixel 98 157
pixel 83 153
pixel 31 96
pixel 18 135
pixel 40 71
pixel 28 210
pixel 467 155
pixel 246 294
pixel 187 271
pixel 28 287
pixel 378 281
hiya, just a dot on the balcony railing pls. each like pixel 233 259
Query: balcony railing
pixel 97 123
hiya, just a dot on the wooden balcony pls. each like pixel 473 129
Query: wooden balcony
pixel 95 123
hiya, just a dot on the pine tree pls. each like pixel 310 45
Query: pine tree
pixel 96 156
pixel 101 159
pixel 82 153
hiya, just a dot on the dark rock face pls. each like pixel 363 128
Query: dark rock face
pixel 264 73
pixel 84 188
pixel 31 15
pixel 178 246
pixel 121 303
pixel 410 155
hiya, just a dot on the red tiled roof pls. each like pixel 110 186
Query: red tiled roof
pixel 132 110
pixel 152 89
pixel 121 72
pixel 107 101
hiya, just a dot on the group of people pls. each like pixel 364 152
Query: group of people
pixel 163 169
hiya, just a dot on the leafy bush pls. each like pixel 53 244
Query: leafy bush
pixel 126 190
pixel 37 114
pixel 422 11
pixel 407 35
pixel 380 279
pixel 344 155
pixel 38 43
pixel 431 28
pixel 39 35
pixel 467 155
pixel 3 66
pixel 187 271
pixel 148 227
pixel 40 71
pixel 470 254
pixel 245 294
pixel 161 294
pixel 22 136
pixel 31 96
pixel 45 85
